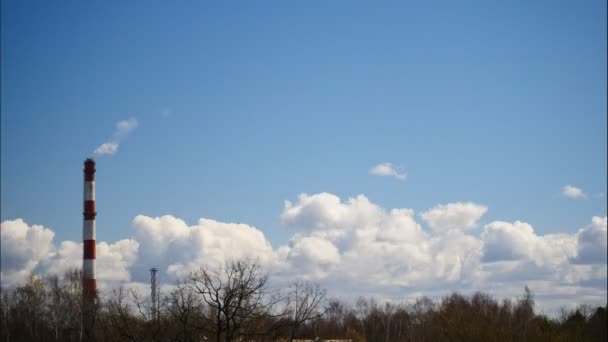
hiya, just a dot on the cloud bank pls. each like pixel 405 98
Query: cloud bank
pixel 387 170
pixel 123 128
pixel 353 247
pixel 29 249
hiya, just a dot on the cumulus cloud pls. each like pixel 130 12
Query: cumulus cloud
pixel 123 128
pixel 176 248
pixel 313 256
pixel 352 246
pixel 365 235
pixel 505 241
pixel 113 260
pixel 573 192
pixel 458 216
pixel 377 247
pixel 386 251
pixel 326 212
pixel 28 249
pixel 387 170
pixel 592 241
pixel 23 247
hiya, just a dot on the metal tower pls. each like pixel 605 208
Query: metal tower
pixel 154 292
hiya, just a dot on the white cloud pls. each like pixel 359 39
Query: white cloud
pixel 387 170
pixel 169 244
pixel 112 260
pixel 23 247
pixel 592 242
pixel 351 246
pixel 573 192
pixel 505 241
pixel 508 241
pixel 313 256
pixel 386 251
pixel 29 248
pixel 326 212
pixel 377 247
pixel 123 128
pixel 458 216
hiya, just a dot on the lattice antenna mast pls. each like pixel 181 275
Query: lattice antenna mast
pixel 154 292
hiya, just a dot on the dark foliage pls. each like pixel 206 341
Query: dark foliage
pixel 235 304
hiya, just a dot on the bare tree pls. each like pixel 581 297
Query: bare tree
pixel 305 302
pixel 235 296
pixel 237 299
pixel 524 312
pixel 120 317
pixel 149 315
pixel 362 312
pixel 64 304
pixel 6 307
pixel 30 299
pixel 387 314
pixel 184 307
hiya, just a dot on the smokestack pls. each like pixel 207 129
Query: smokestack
pixel 89 284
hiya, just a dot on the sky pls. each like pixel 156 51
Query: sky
pixel 393 124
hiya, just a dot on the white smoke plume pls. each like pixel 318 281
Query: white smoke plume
pixel 123 128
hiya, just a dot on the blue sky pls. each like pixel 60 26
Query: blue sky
pixel 499 104
pixel 244 105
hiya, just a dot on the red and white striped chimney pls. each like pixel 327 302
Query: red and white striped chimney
pixel 89 284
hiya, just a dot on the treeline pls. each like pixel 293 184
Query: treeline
pixel 234 303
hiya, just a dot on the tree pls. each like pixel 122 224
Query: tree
pixel 387 314
pixel 64 304
pixel 120 318
pixel 30 299
pixel 524 312
pixel 183 308
pixel 362 312
pixel 235 296
pixel 6 308
pixel 597 323
pixel 305 302
pixel 233 304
